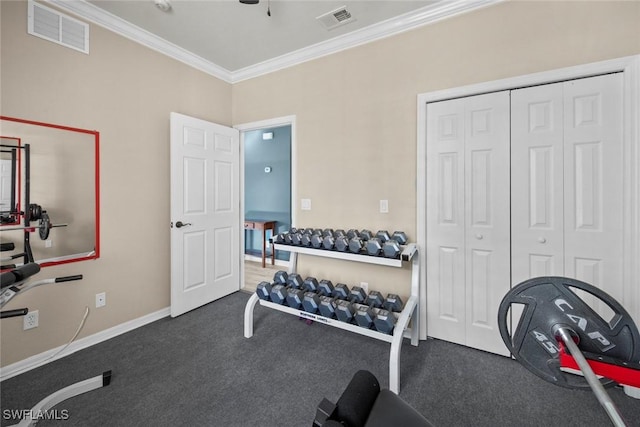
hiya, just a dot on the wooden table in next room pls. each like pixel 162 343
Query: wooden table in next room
pixel 264 225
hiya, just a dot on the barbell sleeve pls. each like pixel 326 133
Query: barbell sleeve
pixel 564 333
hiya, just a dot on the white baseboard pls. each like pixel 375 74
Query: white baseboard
pixel 41 359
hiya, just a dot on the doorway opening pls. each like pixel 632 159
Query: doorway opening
pixel 267 194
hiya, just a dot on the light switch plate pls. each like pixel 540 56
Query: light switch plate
pixel 305 204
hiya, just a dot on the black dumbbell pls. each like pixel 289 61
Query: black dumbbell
pixel 383 235
pixel 279 238
pixel 385 321
pixel 296 238
pixel 295 291
pixel 366 235
pixel 356 245
pixel 353 232
pixel 365 313
pixel 391 249
pixel 327 306
pixel 325 287
pixel 345 309
pixel 310 284
pixel 264 290
pixel 305 240
pixel 282 283
pixel 400 237
pixel 278 292
pixel 374 246
pixel 280 277
pixel 340 291
pixel 339 232
pixel 342 243
pixel 357 295
pixel 316 241
pixel 288 238
pixel 328 242
pixel 393 303
pixel 311 301
pixel 327 232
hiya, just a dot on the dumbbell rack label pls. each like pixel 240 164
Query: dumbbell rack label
pixel 401 330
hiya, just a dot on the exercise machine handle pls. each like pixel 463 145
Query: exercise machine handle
pixel 18 274
pixel 14 313
pixel 68 278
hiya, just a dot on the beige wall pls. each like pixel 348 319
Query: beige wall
pixel 126 92
pixel 356 110
pixel 356 119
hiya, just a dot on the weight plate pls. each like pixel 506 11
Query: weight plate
pixel 44 226
pixel 35 212
pixel 545 302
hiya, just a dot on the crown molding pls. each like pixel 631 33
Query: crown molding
pixel 418 18
pixel 94 14
pixel 409 21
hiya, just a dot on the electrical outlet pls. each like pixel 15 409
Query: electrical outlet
pixel 30 320
pixel 384 206
pixel 101 299
pixel 365 286
pixel 48 243
pixel 305 204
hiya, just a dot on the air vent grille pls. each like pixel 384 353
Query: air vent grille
pixel 56 27
pixel 336 18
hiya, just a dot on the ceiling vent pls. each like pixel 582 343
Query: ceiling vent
pixel 336 18
pixel 54 26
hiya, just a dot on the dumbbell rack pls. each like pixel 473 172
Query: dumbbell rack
pixel 401 329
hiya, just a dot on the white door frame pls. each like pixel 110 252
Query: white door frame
pixel 630 66
pixel 264 124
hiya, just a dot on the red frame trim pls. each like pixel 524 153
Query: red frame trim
pixel 621 374
pixel 96 135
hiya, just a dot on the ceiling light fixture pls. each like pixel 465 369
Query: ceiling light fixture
pixel 163 5
pixel 256 2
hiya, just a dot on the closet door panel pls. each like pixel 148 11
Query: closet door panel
pixel 445 221
pixel 593 167
pixel 537 220
pixel 487 242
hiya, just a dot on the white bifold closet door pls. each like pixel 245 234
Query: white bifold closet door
pixel 567 182
pixel 468 247
pixel 520 184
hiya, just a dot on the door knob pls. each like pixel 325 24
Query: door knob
pixel 479 236
pixel 542 240
pixel 181 224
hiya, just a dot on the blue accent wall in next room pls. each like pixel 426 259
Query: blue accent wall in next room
pixel 267 182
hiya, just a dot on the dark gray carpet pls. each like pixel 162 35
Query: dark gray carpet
pixel 198 369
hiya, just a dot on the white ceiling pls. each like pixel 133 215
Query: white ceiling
pixel 236 41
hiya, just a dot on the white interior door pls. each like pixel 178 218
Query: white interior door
pixel 467 250
pixel 205 217
pixel 445 244
pixel 487 215
pixel 537 182
pixel 567 207
pixel 593 173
